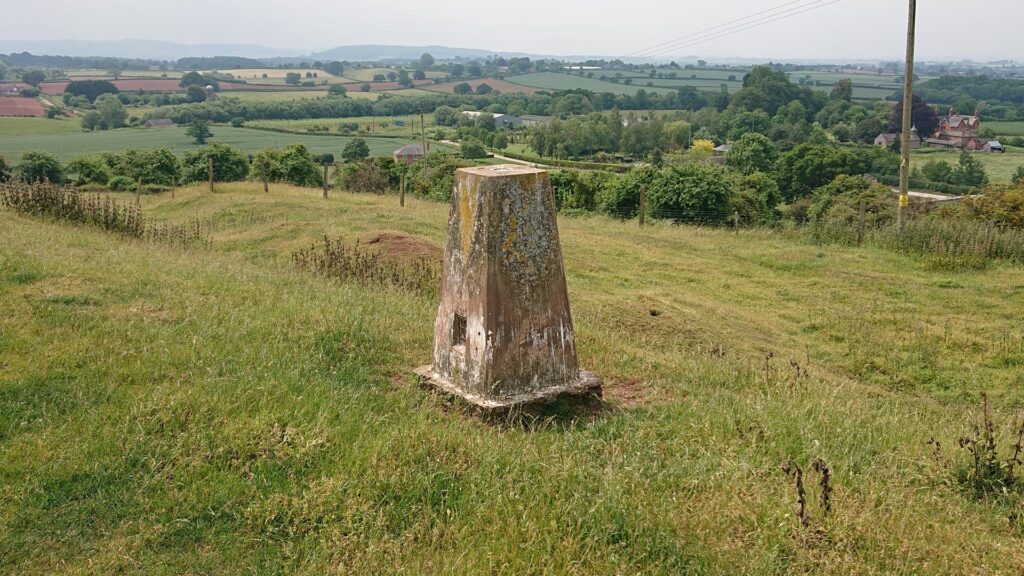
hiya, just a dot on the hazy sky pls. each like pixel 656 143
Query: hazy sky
pixel 847 29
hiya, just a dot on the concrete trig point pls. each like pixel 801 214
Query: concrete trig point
pixel 504 334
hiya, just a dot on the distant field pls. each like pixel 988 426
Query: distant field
pixel 1006 128
pixel 258 73
pixel 37 126
pixel 1000 167
pixel 95 72
pixel 557 81
pixel 18 106
pixel 367 74
pixel 70 145
pixel 383 126
pixel 498 85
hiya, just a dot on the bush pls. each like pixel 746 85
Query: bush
pixel 293 165
pixel 238 121
pixel 440 176
pixel 121 184
pixel 373 176
pixel 691 193
pixel 229 165
pixel 89 170
pixel 39 166
pixel 473 149
pixel 620 197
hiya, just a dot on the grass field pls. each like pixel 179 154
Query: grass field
pixel 68 146
pixel 38 126
pixel 380 125
pixel 1000 167
pixel 213 411
pixel 367 74
pixel 1006 128
pixel 285 95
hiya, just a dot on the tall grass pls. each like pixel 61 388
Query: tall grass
pixel 948 243
pixel 68 204
pixel 335 259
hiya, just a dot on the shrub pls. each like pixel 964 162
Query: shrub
pixel 620 197
pixel 121 184
pixel 373 176
pixel 293 164
pixel 472 149
pixel 89 170
pixel 39 166
pixel 238 121
pixel 229 165
pixel 691 193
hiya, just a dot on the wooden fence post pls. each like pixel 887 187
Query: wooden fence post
pixel 401 192
pixel 861 214
pixel 327 168
pixel 643 204
pixel 736 222
pixel 209 171
pixel 263 175
pixel 138 191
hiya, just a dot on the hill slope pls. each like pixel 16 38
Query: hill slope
pixel 214 411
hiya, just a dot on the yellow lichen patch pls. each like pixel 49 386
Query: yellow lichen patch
pixel 467 206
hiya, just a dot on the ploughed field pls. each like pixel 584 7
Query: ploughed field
pixel 213 410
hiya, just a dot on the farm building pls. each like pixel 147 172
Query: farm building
pixel 959 131
pixel 408 154
pixel 501 121
pixel 994 146
pixel 532 120
pixel 887 140
pixel 159 123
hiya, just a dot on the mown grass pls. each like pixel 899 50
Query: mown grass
pixel 67 146
pixel 215 411
pixel 38 126
pixel 1000 167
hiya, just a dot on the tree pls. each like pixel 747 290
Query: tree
pixel 293 78
pixel 1018 176
pixel 115 71
pixel 355 150
pixel 39 166
pixel 392 76
pixel 380 78
pixel 404 79
pixel 196 79
pixel 843 90
pixel 364 88
pixel 419 75
pixel 199 130
pixel 937 171
pixel 196 93
pixel 92 120
pixel 808 167
pixel 472 149
pixel 753 152
pixel 426 61
pixel 112 112
pixel 3 70
pixel 924 118
pixel 337 90
pixel 334 68
pixel 484 88
pixel 5 171
pixel 969 171
pixel 90 89
pixel 293 164
pixel 457 70
pixel 33 77
pixel 238 122
pixel 501 142
pixel 463 88
pixel 89 170
pixel 475 70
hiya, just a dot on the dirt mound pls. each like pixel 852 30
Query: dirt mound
pixel 401 248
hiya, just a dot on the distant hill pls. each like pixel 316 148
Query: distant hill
pixel 141 49
pixel 376 53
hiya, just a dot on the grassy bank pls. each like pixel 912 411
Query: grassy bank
pixel 213 411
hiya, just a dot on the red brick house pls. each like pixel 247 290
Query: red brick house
pixel 959 131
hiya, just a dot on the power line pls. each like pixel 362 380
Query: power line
pixel 681 38
pixel 756 23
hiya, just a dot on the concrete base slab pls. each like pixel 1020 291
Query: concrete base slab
pixel 587 383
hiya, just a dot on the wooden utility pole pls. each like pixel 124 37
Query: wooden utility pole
pixel 209 171
pixel 908 118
